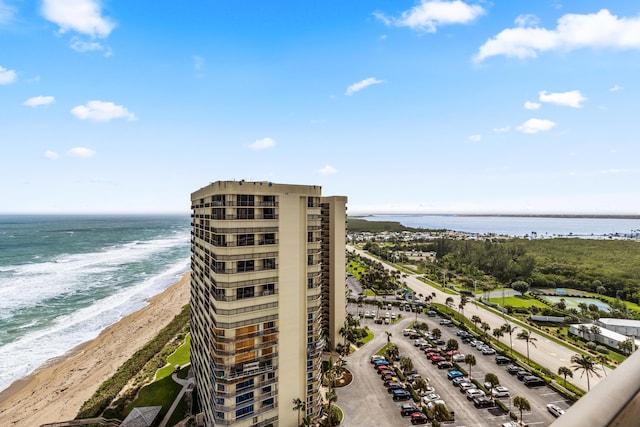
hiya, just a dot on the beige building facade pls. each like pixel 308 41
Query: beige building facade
pixel 267 295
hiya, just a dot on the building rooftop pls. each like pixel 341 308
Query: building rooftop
pixel 619 322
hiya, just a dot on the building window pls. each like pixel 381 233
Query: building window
pixel 268 402
pixel 219 267
pixel 309 283
pixel 244 266
pixel 218 213
pixel 309 236
pixel 269 263
pixel 218 294
pixel 245 199
pixel 246 240
pixel 310 203
pixel 219 240
pixel 244 397
pixel 268 289
pixel 218 200
pixel 269 213
pixel 269 239
pixel 241 413
pixel 268 200
pixel 266 389
pixel 244 384
pixel 309 259
pixel 242 293
pixel 245 213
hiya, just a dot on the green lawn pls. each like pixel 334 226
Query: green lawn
pixel 519 301
pixel 179 357
pixel 159 393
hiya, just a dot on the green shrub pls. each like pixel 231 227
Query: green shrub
pixel 590 345
pixel 602 349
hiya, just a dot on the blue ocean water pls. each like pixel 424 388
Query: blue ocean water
pixel 64 279
pixel 533 226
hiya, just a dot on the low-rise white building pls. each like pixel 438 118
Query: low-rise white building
pixel 605 336
pixel 626 327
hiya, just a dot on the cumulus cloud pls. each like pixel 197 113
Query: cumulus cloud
pixel 531 105
pixel 82 16
pixel 262 144
pixel 7 76
pixel 80 45
pixel 37 101
pixel 574 31
pixel 504 129
pixel 568 99
pixel 7 13
pixel 356 87
pixel 536 125
pixel 327 170
pixel 100 111
pixel 527 20
pixel 616 88
pixel 81 152
pixel 429 15
pixel 475 138
pixel 51 155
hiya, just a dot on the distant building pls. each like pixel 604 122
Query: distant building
pixel 626 327
pixel 267 285
pixel 605 336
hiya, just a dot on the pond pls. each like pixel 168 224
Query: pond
pixel 572 302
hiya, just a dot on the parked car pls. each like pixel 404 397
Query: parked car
pixel 377 357
pixel 444 322
pixel 483 402
pixel 488 351
pixel 502 360
pixel 419 418
pixel 430 397
pixel 393 386
pixel 401 394
pixel 380 362
pixel 472 393
pixel 406 332
pixel 459 380
pixel 534 382
pixel 500 391
pixel 514 369
pixel 464 386
pixel 431 313
pixel 444 365
pixel 454 374
pixel 458 357
pixel 389 376
pixel 408 408
pixel 555 410
pixel 436 358
pixel 523 374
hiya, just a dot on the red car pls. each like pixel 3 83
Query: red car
pixel 419 418
pixel 436 359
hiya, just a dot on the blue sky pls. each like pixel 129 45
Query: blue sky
pixel 403 106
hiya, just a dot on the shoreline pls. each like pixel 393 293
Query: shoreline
pixel 56 390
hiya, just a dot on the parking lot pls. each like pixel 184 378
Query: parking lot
pixel 366 402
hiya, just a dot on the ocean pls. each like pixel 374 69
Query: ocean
pixel 519 226
pixel 64 279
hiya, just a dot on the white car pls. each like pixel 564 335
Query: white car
pixel 474 392
pixel 555 410
pixel 500 391
pixel 430 397
pixel 488 351
pixel 466 386
pixel 458 357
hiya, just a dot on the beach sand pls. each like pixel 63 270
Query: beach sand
pixel 57 391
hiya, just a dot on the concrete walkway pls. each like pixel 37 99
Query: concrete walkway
pixel 185 386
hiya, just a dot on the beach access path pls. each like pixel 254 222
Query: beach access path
pixel 57 391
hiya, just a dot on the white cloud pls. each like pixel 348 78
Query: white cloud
pixel 356 87
pixel 616 88
pixel 81 152
pixel 429 15
pixel 7 76
pixel 7 13
pixel 37 101
pixel 100 111
pixel 502 129
pixel 568 99
pixel 327 170
pixel 82 16
pixel 531 105
pixel 51 155
pixel 527 20
pixel 536 125
pixel 475 138
pixel 262 144
pixel 574 31
pixel 80 45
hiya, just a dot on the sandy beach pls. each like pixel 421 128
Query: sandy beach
pixel 56 391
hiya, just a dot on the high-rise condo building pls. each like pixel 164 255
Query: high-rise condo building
pixel 267 295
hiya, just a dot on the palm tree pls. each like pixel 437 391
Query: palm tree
pixel 498 333
pixel 388 336
pixel 470 360
pixel 299 405
pixel 406 364
pixel 476 320
pixel 392 352
pixel 437 333
pixel 565 372
pixel 493 380
pixel 525 336
pixel 463 301
pixel 448 302
pixel 602 360
pixel 585 364
pixel 441 412
pixel 420 385
pixel 595 330
pixel 583 329
pixel 344 332
pixel 485 327
pixel 508 329
pixel 331 396
pixel 522 404
pixel 307 422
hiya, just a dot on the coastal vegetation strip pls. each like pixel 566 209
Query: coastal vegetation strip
pixel 110 389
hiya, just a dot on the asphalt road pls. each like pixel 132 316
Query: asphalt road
pixel 546 352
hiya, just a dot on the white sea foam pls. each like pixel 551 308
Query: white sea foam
pixel 30 284
pixel 23 356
